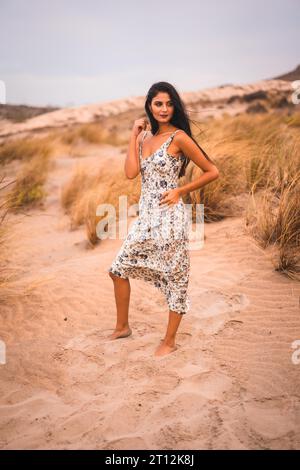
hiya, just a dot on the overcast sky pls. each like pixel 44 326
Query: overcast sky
pixel 71 52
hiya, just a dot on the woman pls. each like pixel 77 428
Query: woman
pixel 147 252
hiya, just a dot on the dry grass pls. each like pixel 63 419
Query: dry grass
pixel 25 149
pixel 35 153
pixel 273 218
pixel 84 194
pixel 28 189
pixel 6 274
pixel 259 156
pixel 81 139
pixel 293 121
pixel 214 196
pixel 92 133
pixel 75 189
pixel 288 229
pixel 3 213
pixel 250 151
pixel 29 185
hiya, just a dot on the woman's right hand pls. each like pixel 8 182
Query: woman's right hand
pixel 139 125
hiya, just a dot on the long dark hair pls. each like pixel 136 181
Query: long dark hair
pixel 179 119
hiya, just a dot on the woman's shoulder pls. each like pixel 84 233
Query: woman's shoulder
pixel 180 132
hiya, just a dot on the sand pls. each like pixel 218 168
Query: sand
pixel 231 384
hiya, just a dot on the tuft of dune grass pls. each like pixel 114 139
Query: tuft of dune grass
pixel 252 152
pixel 24 149
pixel 293 120
pixel 288 229
pixel 7 274
pixel 85 192
pixel 273 219
pixel 122 194
pixel 93 133
pixel 77 185
pixel 28 189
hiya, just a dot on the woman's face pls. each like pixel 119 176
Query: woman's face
pixel 162 107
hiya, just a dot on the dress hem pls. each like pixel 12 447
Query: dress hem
pixel 152 282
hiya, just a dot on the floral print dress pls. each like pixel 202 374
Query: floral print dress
pixel 156 247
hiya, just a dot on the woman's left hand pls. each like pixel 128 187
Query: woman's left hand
pixel 170 197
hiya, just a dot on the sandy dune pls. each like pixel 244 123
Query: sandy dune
pixel 231 384
pixel 213 101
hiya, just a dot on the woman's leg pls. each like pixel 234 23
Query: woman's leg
pixel 167 345
pixel 122 298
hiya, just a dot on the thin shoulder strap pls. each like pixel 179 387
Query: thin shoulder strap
pixel 172 135
pixel 171 138
pixel 145 133
pixel 141 143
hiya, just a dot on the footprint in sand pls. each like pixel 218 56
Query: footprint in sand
pixel 213 304
pixel 215 309
pixel 211 385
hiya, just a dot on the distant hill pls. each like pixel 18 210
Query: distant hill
pixel 21 112
pixel 256 97
pixel 290 76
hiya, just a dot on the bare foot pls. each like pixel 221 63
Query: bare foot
pixel 164 349
pixel 120 334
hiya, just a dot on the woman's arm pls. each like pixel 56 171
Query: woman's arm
pixel 189 148
pixel 132 163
